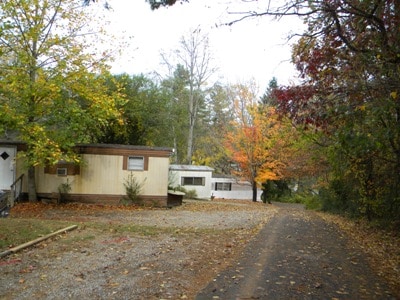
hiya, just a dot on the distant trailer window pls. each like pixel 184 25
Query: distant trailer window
pixel 223 186
pixel 193 180
pixel 136 163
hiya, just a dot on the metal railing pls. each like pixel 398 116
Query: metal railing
pixel 3 200
pixel 16 190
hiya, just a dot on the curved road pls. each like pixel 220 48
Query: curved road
pixel 298 256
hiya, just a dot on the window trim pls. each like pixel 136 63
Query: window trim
pixel 125 163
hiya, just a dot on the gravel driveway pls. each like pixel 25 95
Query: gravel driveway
pixel 194 243
pixel 206 249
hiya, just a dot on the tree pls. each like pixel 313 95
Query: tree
pixel 176 89
pixel 155 4
pixel 215 123
pixel 105 3
pixel 255 131
pixel 195 58
pixel 268 97
pixel 53 93
pixel 146 112
pixel 348 60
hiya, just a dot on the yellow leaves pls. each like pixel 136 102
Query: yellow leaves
pixel 361 107
pixel 57 89
pixel 267 174
pixel 393 95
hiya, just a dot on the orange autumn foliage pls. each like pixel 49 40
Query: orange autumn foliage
pixel 255 145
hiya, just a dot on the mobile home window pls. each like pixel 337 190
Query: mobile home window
pixel 136 163
pixel 223 186
pixel 193 180
pixel 62 171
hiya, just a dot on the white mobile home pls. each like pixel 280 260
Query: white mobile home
pixel 192 177
pixel 228 187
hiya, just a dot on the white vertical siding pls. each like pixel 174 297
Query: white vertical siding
pixel 203 191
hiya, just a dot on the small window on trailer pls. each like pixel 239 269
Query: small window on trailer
pixel 136 163
pixel 62 171
pixel 223 186
pixel 193 181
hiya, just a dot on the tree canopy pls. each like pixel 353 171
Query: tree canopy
pixel 254 140
pixel 155 4
pixel 349 62
pixel 194 63
pixel 53 93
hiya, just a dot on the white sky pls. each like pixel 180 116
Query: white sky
pixel 251 49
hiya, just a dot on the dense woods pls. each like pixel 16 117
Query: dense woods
pixel 349 64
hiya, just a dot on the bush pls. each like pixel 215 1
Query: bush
pixel 133 189
pixel 189 194
pixel 340 197
pixel 275 190
pixel 295 198
pixel 312 202
pixel 177 189
pixel 63 190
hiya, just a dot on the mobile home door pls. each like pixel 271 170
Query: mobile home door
pixel 7 167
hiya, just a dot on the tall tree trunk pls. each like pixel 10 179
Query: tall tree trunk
pixel 192 121
pixel 32 185
pixel 175 157
pixel 190 145
pixel 254 186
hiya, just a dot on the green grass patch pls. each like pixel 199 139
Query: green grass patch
pixel 124 228
pixel 14 231
pixel 118 229
pixel 77 239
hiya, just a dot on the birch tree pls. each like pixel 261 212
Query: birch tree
pixel 195 56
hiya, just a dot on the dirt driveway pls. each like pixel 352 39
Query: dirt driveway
pixel 298 255
pixel 163 254
pixel 145 254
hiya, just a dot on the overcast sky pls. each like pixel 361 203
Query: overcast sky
pixel 256 48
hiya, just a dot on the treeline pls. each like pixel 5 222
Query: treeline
pixel 349 99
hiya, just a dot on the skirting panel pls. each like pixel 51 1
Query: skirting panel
pixel 154 201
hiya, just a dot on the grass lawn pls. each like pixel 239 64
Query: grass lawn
pixel 16 231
